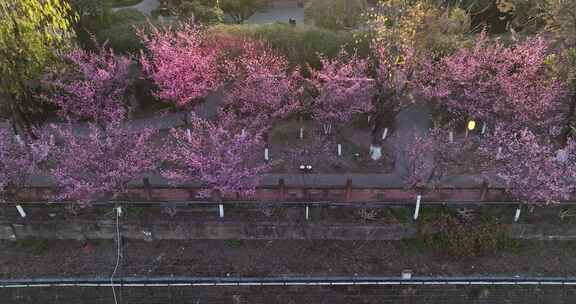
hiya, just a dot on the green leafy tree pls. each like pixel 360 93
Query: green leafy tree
pixel 335 14
pixel 30 33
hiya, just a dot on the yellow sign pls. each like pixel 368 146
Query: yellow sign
pixel 471 125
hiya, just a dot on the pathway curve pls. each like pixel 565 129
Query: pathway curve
pixel 145 7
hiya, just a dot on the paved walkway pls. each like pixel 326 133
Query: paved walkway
pixel 277 15
pixel 145 7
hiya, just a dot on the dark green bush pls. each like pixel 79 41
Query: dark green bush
pixel 301 44
pixel 121 34
pixel 335 14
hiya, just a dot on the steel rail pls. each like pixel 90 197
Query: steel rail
pixel 281 281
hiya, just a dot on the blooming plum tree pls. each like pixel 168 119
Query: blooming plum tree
pixel 494 83
pixel 342 88
pixel 20 158
pixel 262 87
pixel 181 63
pixel 101 163
pixel 95 88
pixel 531 168
pixel 220 156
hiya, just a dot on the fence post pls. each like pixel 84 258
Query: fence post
pixel 282 189
pixel 348 189
pixel 148 188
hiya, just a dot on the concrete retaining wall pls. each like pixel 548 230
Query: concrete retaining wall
pixel 106 229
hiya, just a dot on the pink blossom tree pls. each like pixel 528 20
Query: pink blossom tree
pixel 222 157
pixel 181 63
pixel 531 169
pixel 263 88
pixel 101 163
pixel 95 88
pixel 342 88
pixel 20 159
pixel 493 83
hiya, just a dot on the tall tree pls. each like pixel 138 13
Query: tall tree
pixel 30 33
pixel 181 63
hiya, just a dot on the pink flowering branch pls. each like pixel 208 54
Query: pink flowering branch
pixel 20 159
pixel 95 88
pixel 342 89
pixel 494 83
pixel 531 169
pixel 100 164
pixel 262 86
pixel 181 63
pixel 223 158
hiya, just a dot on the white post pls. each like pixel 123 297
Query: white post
pixel 118 211
pixel 417 210
pixel 221 210
pixel 301 133
pixel 484 127
pixel 266 154
pixel 451 136
pixel 369 118
pixel 243 132
pixel 384 134
pixel 21 211
pixel 499 153
pixel 19 139
pixel 307 212
pixel 517 215
pixel 339 149
pixel 188 135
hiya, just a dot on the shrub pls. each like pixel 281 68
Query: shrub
pixel 335 14
pixel 457 238
pixel 121 34
pixel 301 44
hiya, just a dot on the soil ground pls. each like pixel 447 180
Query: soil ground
pixel 38 258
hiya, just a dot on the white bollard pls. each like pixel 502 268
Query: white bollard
pixel 417 210
pixel 375 152
pixel 188 135
pixel 243 132
pixel 339 149
pixel 301 133
pixel 266 154
pixel 307 212
pixel 499 153
pixel 19 139
pixel 517 215
pixel 221 210
pixel 384 134
pixel 21 211
pixel 118 211
pixel 451 137
pixel 484 128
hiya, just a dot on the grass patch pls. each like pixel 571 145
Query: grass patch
pixel 234 243
pixel 34 246
pixel 121 3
